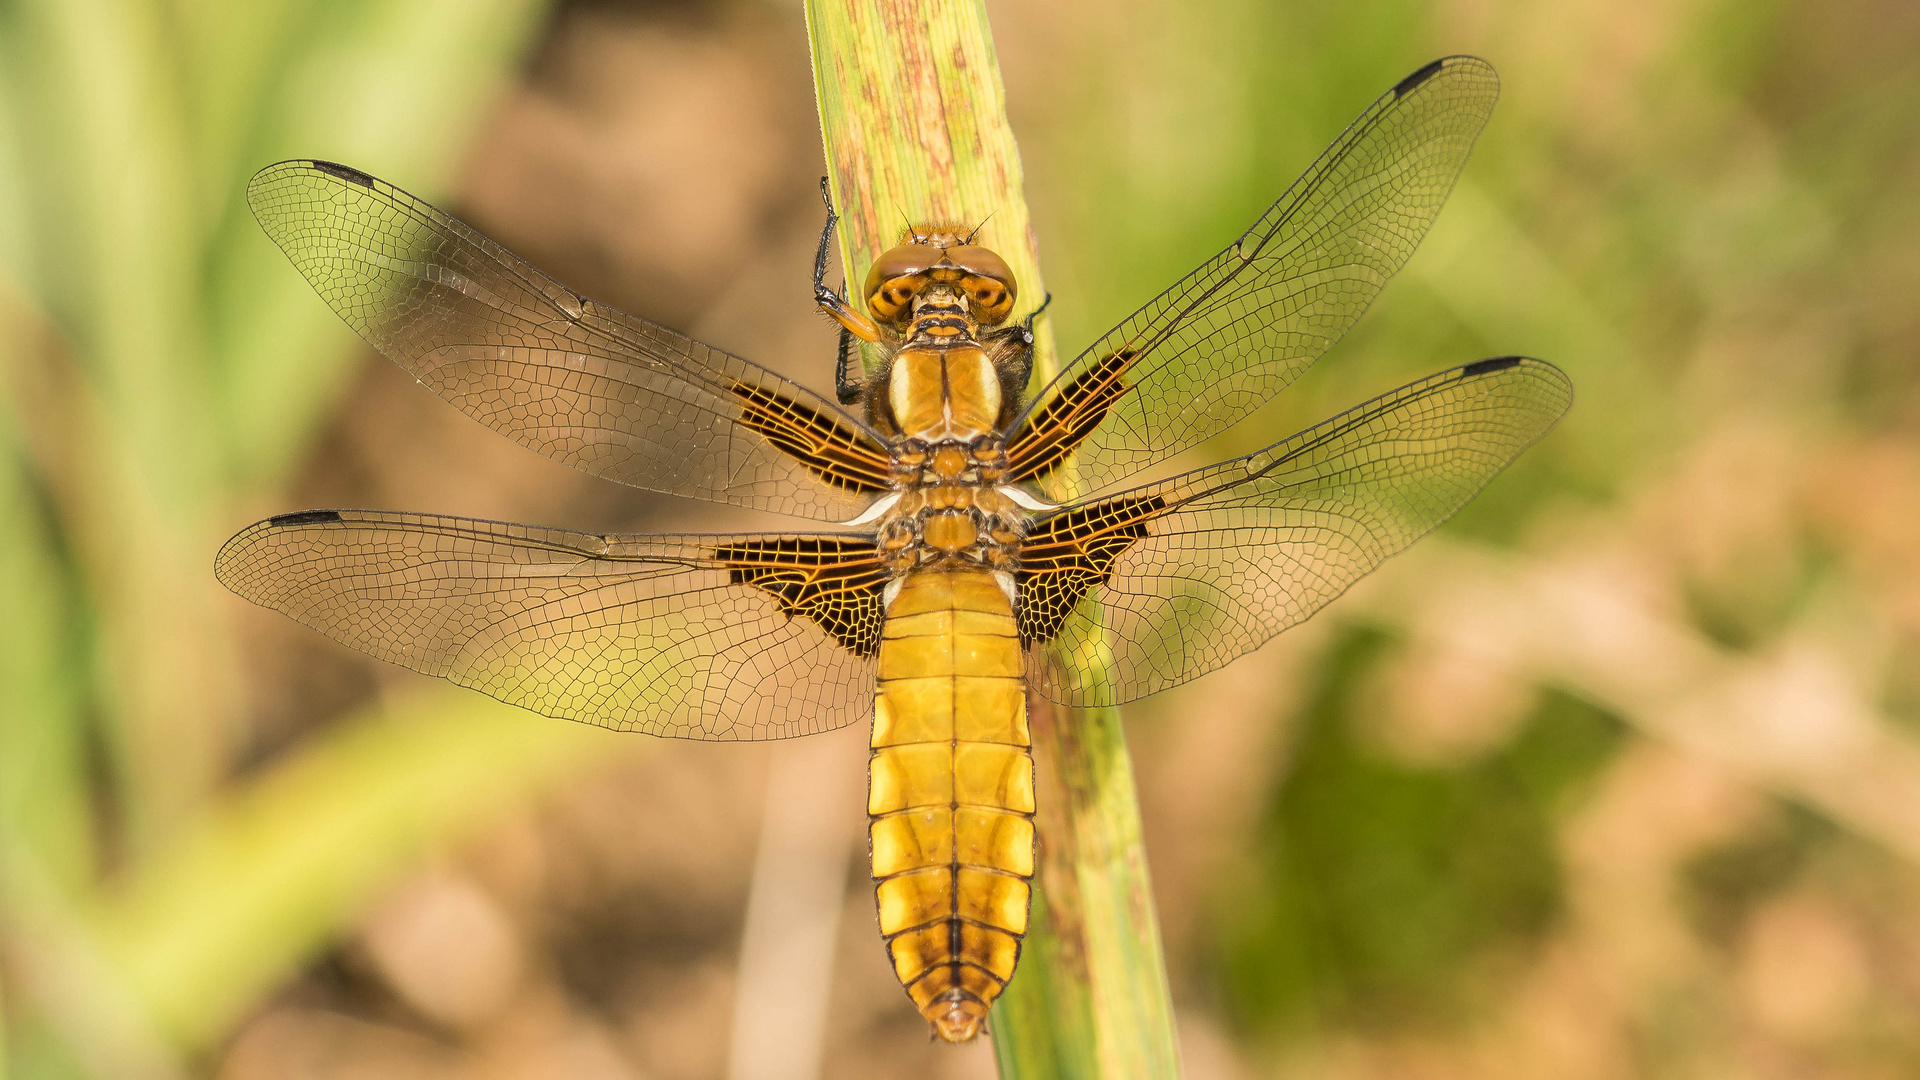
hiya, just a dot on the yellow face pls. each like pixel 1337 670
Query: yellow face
pixel 905 271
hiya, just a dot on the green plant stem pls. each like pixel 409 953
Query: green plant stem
pixel 913 117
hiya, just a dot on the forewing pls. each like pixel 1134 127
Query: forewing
pixel 1128 595
pixel 698 637
pixel 578 381
pixel 1238 330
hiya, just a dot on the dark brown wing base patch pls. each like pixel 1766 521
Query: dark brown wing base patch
pixel 836 583
pixel 1064 422
pixel 828 450
pixel 1070 554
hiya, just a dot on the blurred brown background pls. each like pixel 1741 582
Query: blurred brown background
pixel 1616 776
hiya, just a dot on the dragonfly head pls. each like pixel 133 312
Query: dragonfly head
pixel 940 256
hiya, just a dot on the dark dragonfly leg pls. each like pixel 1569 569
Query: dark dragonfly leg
pixel 822 295
pixel 832 302
pixel 849 389
pixel 1011 349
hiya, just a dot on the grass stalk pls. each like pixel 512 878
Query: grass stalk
pixel 308 845
pixel 913 117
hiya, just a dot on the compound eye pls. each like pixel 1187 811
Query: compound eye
pixel 981 262
pixel 895 268
pixel 893 299
pixel 988 282
pixel 992 302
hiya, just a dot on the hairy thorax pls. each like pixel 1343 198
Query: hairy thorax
pixel 945 398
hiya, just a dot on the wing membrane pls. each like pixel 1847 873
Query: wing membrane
pixel 699 637
pixel 580 382
pixel 1164 583
pixel 1239 329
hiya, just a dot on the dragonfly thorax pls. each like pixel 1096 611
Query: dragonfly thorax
pixel 951 508
pixel 944 393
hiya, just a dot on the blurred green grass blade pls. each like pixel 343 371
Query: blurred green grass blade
pixel 394 88
pixel 913 117
pixel 44 803
pixel 45 806
pixel 115 182
pixel 15 236
pixel 127 212
pixel 232 50
pixel 277 870
pixel 111 188
pixel 73 1016
pixel 122 160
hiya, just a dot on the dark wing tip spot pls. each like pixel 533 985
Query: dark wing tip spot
pixel 349 174
pixel 304 517
pixel 1410 83
pixel 1482 367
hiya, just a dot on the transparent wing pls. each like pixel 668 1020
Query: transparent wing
pixel 697 637
pixel 1167 582
pixel 578 381
pixel 1238 330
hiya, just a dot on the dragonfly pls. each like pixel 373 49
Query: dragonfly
pixel 983 540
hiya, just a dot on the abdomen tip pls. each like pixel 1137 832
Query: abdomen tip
pixel 957 1017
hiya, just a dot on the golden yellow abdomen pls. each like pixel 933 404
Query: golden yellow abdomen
pixel 950 794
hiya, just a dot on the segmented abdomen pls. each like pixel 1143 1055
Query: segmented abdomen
pixel 950 794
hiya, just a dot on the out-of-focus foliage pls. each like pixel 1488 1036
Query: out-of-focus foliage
pixel 1617 773
pixel 162 374
pixel 1374 882
pixel 1615 776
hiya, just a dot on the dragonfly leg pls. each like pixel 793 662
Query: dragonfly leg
pixel 847 388
pixel 1011 350
pixel 831 302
